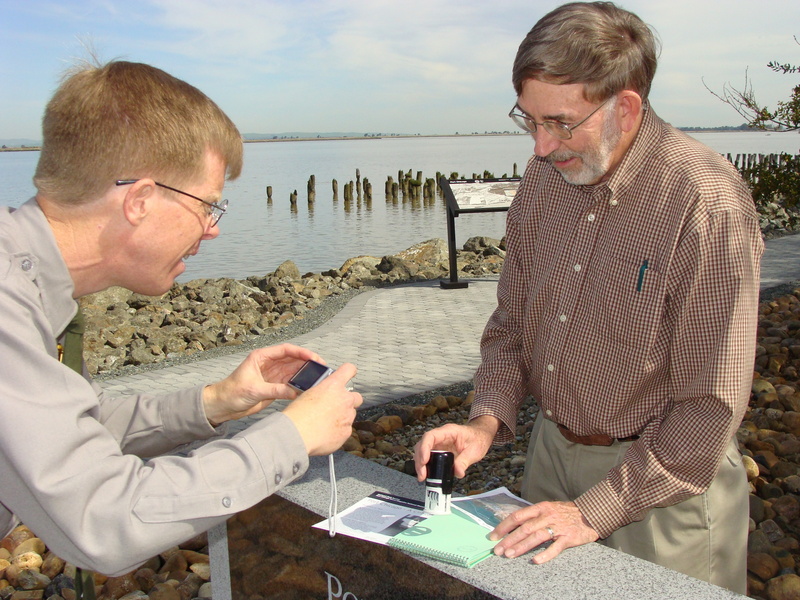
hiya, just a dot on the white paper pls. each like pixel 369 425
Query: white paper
pixel 377 517
pixel 381 516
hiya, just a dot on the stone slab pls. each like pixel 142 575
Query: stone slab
pixel 590 571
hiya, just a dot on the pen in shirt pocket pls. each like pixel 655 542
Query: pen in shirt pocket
pixel 640 281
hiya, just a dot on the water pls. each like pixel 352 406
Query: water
pixel 257 236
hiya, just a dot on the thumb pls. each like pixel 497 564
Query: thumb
pixel 343 374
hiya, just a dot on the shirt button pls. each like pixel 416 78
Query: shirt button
pixel 590 218
pixel 278 478
pixel 613 202
pixel 549 412
pixel 550 367
pixel 226 502
pixel 26 264
pixel 577 267
pixel 562 318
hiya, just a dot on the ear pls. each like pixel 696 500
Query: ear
pixel 629 110
pixel 138 201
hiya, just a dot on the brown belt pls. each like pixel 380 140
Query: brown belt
pixel 596 439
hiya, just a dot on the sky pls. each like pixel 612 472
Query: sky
pixel 376 66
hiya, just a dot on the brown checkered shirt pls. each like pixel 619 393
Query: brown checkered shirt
pixel 629 308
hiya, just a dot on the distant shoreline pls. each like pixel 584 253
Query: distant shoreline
pixel 379 137
pixel 406 136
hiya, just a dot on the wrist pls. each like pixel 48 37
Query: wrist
pixel 487 425
pixel 210 403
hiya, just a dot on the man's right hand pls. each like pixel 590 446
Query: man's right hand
pixel 469 443
pixel 324 414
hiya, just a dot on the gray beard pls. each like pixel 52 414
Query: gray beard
pixel 596 161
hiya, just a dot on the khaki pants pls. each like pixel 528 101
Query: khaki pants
pixel 704 537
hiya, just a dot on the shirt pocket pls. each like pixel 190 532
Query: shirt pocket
pixel 626 300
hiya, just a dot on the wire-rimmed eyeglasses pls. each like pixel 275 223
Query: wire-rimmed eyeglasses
pixel 214 213
pixel 557 129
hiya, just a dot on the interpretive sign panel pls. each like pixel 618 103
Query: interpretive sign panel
pixel 275 552
pixel 479 193
pixel 472 196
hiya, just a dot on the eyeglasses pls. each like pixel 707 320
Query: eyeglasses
pixel 557 129
pixel 214 213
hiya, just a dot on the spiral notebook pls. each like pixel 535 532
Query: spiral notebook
pixel 452 538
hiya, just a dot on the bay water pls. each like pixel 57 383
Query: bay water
pixel 256 236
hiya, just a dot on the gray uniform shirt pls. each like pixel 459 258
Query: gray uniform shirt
pixel 71 459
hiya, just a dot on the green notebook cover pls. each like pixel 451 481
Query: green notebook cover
pixel 453 538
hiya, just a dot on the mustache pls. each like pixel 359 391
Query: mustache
pixel 561 156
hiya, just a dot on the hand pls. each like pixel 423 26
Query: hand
pixel 526 529
pixel 260 379
pixel 469 443
pixel 324 414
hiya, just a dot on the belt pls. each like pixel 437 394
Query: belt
pixel 596 439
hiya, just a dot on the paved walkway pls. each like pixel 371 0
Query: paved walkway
pixel 406 339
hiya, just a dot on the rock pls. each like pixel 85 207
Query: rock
pixel 204 591
pixel 763 565
pixel 365 437
pixel 30 579
pixel 60 585
pixel 784 587
pixel 188 588
pixel 163 591
pixel 406 413
pixel 27 560
pixel 33 544
pixel 202 570
pixel 750 467
pixel 441 403
pixel 18 535
pixel 787 506
pixel 52 565
pixel 757 510
pixel 761 386
pixel 390 422
pixel 771 530
pixel 116 587
pixel 352 444
pixel 371 426
pixel 287 269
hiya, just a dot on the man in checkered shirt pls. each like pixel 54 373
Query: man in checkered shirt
pixel 627 308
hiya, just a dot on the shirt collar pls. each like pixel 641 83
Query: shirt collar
pixel 646 140
pixel 52 275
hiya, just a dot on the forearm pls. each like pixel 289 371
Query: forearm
pixel 149 425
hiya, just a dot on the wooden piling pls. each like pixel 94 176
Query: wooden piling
pixel 311 189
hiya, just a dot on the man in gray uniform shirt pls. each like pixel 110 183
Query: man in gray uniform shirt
pixel 129 183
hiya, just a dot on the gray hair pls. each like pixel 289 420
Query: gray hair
pixel 595 43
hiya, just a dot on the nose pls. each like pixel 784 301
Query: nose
pixel 211 232
pixel 544 143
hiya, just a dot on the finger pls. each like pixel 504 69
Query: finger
pixel 551 551
pixel 517 543
pixel 522 520
pixel 422 454
pixel 461 464
pixel 344 373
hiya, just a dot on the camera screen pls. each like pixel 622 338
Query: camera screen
pixel 308 375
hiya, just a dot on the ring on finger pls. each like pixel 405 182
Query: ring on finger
pixel 551 532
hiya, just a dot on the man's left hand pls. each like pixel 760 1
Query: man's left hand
pixel 532 526
pixel 260 379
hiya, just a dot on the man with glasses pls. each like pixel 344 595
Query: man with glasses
pixel 627 308
pixel 129 183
